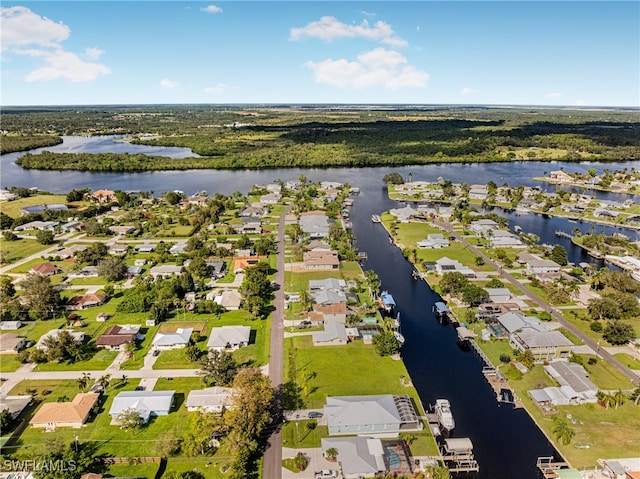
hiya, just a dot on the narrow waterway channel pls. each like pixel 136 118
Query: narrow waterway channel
pixel 506 440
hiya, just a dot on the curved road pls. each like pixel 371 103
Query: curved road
pixel 551 310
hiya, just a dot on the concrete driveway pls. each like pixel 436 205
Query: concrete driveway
pixel 317 462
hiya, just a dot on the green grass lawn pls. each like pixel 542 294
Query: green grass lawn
pixel 628 360
pixel 12 208
pixel 21 248
pixel 9 363
pixel 100 360
pixel 174 359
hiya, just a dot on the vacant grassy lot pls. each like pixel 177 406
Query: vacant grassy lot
pixel 19 249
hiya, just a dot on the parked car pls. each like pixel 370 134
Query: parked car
pixel 326 473
pixel 315 415
pixel 156 352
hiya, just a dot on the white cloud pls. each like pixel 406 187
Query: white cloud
pixel 330 28
pixel 554 95
pixel 218 88
pixel 211 9
pixel 467 91
pixel 29 34
pixel 20 26
pixel 93 53
pixel 166 83
pixel 378 67
pixel 367 14
pixel 69 66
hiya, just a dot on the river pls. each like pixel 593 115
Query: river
pixel 506 440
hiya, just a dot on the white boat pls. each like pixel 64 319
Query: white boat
pixel 443 412
pixel 376 218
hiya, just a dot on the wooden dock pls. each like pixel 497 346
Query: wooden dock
pixel 548 466
pixel 564 234
pixel 501 388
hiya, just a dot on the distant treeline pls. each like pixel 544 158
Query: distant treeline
pixel 279 138
pixel 14 143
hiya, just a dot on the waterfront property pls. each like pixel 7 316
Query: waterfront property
pixel 383 414
pixel 544 345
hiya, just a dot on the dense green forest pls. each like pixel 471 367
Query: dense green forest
pixel 288 136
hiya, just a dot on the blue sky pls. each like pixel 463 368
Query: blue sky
pixel 416 52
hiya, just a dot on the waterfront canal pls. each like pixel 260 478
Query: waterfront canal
pixel 506 440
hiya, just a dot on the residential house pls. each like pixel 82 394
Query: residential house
pixel 240 263
pixel 71 226
pixel 318 245
pixel 255 210
pixel 315 224
pixel 86 272
pixel 248 225
pixel 330 312
pixel 560 176
pixel 52 415
pixel 374 414
pixel 478 192
pixel 77 335
pixel 216 267
pixel 575 387
pixel 177 249
pixel 45 269
pixel 117 337
pixel 104 196
pixel 513 322
pixel 334 334
pixel 270 199
pixel 499 295
pixel 118 249
pixel 320 260
pixel 484 227
pixel 146 248
pixel 447 265
pixel 538 266
pixel 229 337
pixel 229 299
pixel 145 403
pixel 71 251
pixel 215 399
pixel 11 343
pixel 15 404
pixel 359 457
pixel 434 241
pixel 37 225
pixel 545 345
pixel 85 301
pixel 172 340
pixel 165 270
pixel 403 215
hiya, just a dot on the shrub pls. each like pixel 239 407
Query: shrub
pixel 596 326
pixel 505 358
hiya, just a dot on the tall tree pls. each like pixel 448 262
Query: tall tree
pixel 218 368
pixel 40 297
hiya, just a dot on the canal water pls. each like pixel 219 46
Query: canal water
pixel 506 440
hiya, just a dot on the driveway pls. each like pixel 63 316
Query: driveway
pixel 317 462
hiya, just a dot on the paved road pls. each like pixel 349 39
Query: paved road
pixel 633 377
pixel 272 466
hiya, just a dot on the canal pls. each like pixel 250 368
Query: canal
pixel 506 440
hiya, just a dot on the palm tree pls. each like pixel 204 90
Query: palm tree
pixel 618 398
pixel 605 399
pixel 635 396
pixel 83 381
pixel 331 454
pixel 562 431
pixel 104 381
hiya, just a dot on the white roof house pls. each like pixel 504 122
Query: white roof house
pixel 448 265
pixel 434 241
pixel 146 403
pixel 499 295
pixel 165 270
pixel 404 214
pixel 358 456
pixel 513 322
pixel 179 339
pixel 232 337
pixel 383 414
pixel 334 334
pixel 214 399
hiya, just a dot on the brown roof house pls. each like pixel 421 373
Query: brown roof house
pixel 321 260
pixel 45 269
pixel 52 415
pixel 116 337
pixel 84 301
